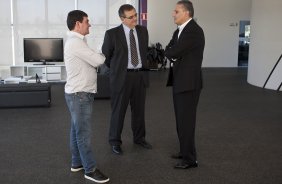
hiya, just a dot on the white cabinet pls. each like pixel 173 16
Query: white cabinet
pixel 51 73
pixel 47 72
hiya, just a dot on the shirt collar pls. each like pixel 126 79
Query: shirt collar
pixel 184 24
pixel 75 34
pixel 126 28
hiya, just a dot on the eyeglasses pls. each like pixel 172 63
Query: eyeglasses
pixel 131 17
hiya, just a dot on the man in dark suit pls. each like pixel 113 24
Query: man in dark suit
pixel 125 48
pixel 185 50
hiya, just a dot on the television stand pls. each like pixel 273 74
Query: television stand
pixel 48 72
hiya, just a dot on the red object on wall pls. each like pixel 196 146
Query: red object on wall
pixel 143 12
pixel 143 16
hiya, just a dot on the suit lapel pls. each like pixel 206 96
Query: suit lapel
pixel 187 27
pixel 122 37
pixel 141 49
pixel 175 36
pixel 139 35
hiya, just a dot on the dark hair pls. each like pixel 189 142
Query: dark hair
pixel 123 8
pixel 73 16
pixel 188 5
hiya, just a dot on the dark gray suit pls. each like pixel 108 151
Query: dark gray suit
pixel 126 86
pixel 186 79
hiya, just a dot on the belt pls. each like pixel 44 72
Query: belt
pixel 80 93
pixel 135 70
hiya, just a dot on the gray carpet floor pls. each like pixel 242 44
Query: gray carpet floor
pixel 238 137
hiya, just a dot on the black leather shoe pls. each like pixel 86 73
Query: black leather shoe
pixel 185 165
pixel 177 156
pixel 144 144
pixel 117 150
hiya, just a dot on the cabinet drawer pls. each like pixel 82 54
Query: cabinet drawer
pixel 52 70
pixel 52 76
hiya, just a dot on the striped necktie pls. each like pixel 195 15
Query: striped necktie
pixel 133 49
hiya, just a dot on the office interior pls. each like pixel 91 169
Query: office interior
pixel 239 114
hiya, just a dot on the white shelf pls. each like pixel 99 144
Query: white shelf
pixel 47 72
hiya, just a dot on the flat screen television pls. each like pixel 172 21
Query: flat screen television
pixel 43 50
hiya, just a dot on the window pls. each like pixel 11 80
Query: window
pixel 47 18
pixel 5 33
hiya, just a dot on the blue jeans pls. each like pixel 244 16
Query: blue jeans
pixel 80 107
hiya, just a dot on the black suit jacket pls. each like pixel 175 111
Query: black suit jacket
pixel 187 51
pixel 116 51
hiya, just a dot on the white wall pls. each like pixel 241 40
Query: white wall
pixel 214 17
pixel 265 45
pixel 160 21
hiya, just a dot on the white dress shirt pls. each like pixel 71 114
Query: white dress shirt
pixel 126 32
pixel 81 62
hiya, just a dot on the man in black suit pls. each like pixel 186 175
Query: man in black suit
pixel 185 50
pixel 125 48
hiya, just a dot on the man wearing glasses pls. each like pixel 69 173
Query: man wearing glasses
pixel 125 48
